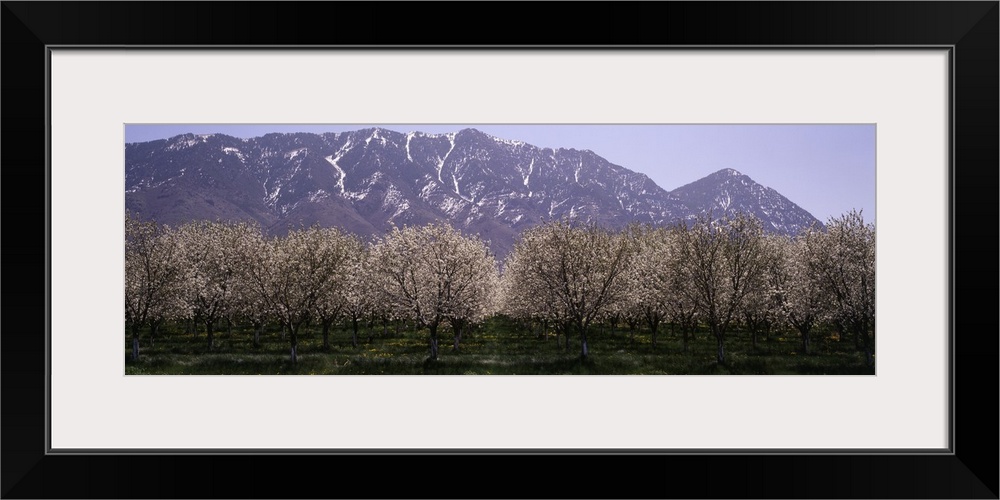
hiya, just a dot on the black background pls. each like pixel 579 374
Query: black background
pixel 971 472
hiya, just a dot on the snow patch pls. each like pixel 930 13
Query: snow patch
pixel 508 142
pixel 428 189
pixel 501 206
pixel 724 201
pixel 185 143
pixel 440 165
pixel 233 151
pixel 318 195
pixel 343 175
pixel 355 195
pixel 451 206
pixel 395 199
pixel 273 197
pixel 459 193
pixel 375 136
pixel 553 205
pixel 290 155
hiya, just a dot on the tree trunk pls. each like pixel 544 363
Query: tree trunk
pixel 294 337
pixel 153 328
pixel 256 333
pixel 354 332
pixel 653 327
pixel 434 341
pixel 209 326
pixel 326 334
pixel 684 334
pixel 869 352
pixel 135 343
pixel 583 343
pixel 229 328
pixel 753 338
pixel 720 355
pixel 805 342
pixel 459 327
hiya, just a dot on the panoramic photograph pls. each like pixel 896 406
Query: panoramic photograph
pixel 484 249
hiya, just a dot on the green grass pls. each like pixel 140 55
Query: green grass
pixel 496 348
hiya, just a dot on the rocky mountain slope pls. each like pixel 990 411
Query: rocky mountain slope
pixel 368 180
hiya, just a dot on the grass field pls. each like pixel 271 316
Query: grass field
pixel 496 348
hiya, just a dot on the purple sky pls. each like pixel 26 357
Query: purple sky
pixel 826 169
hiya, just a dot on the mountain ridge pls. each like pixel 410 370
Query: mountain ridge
pixel 367 180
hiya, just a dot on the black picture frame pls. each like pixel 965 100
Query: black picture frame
pixel 970 28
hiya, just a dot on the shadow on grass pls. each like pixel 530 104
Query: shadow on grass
pixel 495 349
pixel 508 365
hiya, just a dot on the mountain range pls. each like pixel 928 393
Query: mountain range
pixel 365 181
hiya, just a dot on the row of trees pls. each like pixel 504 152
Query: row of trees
pixel 210 272
pixel 562 275
pixel 718 273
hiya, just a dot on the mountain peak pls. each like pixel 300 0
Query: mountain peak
pixel 727 172
pixel 471 132
pixel 727 191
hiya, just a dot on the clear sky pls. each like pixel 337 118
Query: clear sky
pixel 826 169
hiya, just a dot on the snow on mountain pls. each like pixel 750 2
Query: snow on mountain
pixel 368 180
pixel 728 191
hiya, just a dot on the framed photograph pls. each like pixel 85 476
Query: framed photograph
pixel 921 76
